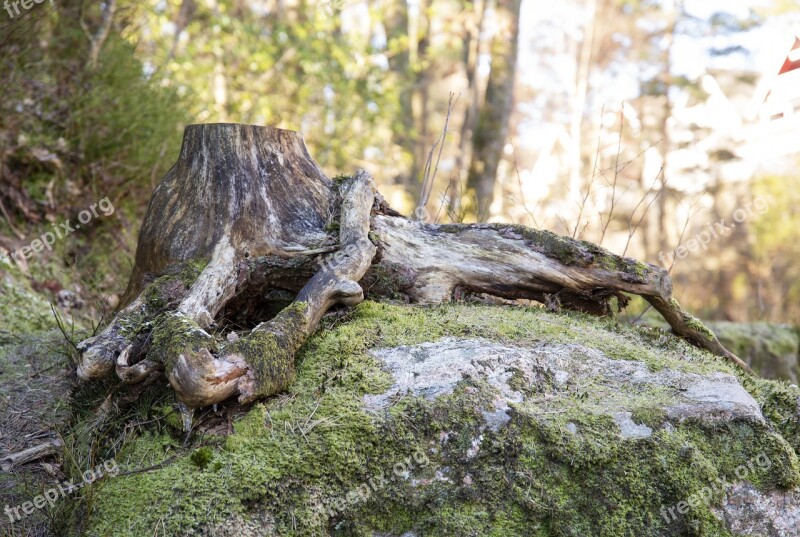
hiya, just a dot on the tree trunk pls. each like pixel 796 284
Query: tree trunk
pixel 579 102
pixel 490 134
pixel 245 220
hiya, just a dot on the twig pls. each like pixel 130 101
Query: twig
pixel 41 451
pixel 16 232
pixel 61 328
pixel 616 175
pixel 158 466
pixel 39 372
pixel 582 204
pixel 428 177
pixel 689 216
pixel 632 229
pixel 521 192
pixel 96 41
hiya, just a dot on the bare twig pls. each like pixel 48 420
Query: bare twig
pixel 10 222
pixel 616 176
pixel 521 192
pixel 689 216
pixel 60 324
pixel 428 177
pixel 97 39
pixel 632 228
pixel 582 204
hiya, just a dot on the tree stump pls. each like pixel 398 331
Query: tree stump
pixel 245 220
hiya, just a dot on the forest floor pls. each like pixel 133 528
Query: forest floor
pixel 36 379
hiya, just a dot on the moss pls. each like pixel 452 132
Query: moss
pixel 299 457
pixel 651 415
pixel 173 335
pixel 168 289
pixel 692 322
pixel 201 457
pixel 770 349
pixel 161 295
pixel 780 404
pixel 270 349
pixel 132 323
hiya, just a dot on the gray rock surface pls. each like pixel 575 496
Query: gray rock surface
pixel 751 512
pixel 434 369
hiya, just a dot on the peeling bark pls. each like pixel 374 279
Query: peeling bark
pixel 246 222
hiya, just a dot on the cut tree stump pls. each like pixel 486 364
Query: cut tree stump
pixel 246 222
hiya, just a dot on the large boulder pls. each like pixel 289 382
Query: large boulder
pixel 470 420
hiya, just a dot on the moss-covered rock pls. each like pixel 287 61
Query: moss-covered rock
pixel 473 420
pixel 772 350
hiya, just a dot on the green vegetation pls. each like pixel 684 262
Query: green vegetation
pixel 290 457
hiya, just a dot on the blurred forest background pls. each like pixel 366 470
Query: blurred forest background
pixel 638 124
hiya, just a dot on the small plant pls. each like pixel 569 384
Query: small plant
pixel 201 457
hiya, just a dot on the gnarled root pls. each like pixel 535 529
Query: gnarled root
pixel 267 229
pixel 100 353
pixel 262 363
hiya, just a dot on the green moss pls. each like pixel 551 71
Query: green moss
pixel 651 415
pixel 160 296
pixel 270 349
pixel 780 404
pixel 692 322
pixel 772 350
pixel 556 469
pixel 175 334
pixel 132 323
pixel 168 289
pixel 201 457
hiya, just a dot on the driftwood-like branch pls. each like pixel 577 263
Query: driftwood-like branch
pixel 34 453
pixel 246 214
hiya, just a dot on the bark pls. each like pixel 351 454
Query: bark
pixel 490 133
pixel 474 45
pixel 245 223
pixel 98 38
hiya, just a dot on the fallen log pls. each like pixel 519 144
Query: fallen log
pixel 246 219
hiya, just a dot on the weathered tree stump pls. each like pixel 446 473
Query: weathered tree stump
pixel 246 218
